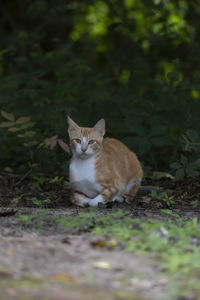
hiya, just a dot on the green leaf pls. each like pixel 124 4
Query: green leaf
pixel 22 120
pixel 20 135
pixel 184 160
pixel 160 141
pixel 175 165
pixel 29 133
pixel 180 173
pixel 31 143
pixel 197 163
pixel 27 125
pixel 6 124
pixel 173 76
pixel 7 116
pixel 159 130
pixel 13 129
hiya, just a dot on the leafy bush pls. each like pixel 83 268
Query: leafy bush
pixel 135 63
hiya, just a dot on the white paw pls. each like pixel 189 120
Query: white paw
pixel 95 201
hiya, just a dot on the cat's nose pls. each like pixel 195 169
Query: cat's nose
pixel 83 149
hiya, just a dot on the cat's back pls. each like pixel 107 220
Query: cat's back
pixel 116 155
pixel 111 146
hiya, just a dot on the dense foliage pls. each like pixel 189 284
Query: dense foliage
pixel 134 62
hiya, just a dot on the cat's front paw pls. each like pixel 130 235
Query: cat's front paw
pixel 95 201
pixel 79 199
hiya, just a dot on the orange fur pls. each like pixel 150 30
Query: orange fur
pixel 116 166
pixel 117 170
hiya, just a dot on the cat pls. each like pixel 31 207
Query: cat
pixel 101 170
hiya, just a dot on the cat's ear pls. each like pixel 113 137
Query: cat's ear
pixel 100 127
pixel 72 125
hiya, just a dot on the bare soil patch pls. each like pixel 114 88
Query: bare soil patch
pixel 49 262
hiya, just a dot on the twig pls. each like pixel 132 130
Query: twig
pixel 9 174
pixel 25 175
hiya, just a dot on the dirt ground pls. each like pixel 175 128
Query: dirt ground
pixel 52 263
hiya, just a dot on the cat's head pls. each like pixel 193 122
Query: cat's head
pixel 85 141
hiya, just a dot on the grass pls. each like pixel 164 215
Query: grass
pixel 175 243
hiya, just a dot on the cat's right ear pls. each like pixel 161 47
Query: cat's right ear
pixel 72 125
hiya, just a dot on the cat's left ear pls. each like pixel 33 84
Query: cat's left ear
pixel 100 127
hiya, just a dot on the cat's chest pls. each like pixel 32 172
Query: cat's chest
pixel 83 169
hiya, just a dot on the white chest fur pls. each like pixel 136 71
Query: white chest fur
pixel 83 174
pixel 82 169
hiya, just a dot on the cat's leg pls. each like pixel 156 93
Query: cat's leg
pixel 131 190
pixel 80 199
pixel 89 189
pixel 119 197
pixel 107 194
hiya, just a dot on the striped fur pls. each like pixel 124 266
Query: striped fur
pixel 101 170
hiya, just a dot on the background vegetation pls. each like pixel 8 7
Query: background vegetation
pixel 134 62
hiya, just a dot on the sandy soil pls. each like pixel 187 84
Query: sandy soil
pixel 51 263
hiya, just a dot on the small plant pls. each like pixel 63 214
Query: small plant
pixel 195 203
pixel 40 203
pixel 40 218
pixel 53 141
pixel 84 221
pixel 170 213
pixel 191 141
pixel 189 165
pixel 36 219
pixel 37 202
pixel 185 168
pixel 56 180
pixel 26 219
pixel 20 127
pixel 41 180
pixel 47 201
pixel 164 197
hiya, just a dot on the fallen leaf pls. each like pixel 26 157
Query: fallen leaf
pixel 98 244
pixel 8 213
pixel 160 175
pixel 145 199
pixel 63 277
pixel 104 243
pixel 102 265
pixel 66 241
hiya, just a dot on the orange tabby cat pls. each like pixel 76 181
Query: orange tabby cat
pixel 101 170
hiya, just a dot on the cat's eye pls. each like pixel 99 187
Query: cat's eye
pixel 91 142
pixel 78 141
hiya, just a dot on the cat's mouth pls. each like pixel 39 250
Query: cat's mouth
pixel 83 155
